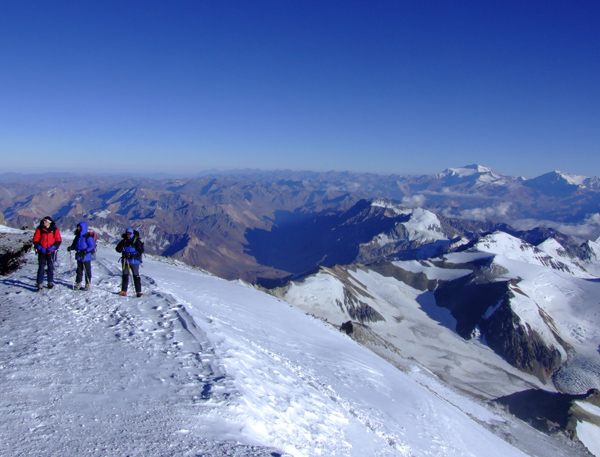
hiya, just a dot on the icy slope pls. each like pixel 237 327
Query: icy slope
pixel 205 366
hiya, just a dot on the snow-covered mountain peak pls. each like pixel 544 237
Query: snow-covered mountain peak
pixel 547 254
pixel 476 175
pixel 558 183
pixel 393 208
pixel 502 243
pixel 576 180
pixel 467 170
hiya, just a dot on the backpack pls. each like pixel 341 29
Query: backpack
pixel 136 234
pixel 95 236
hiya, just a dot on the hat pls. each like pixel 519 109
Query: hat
pixel 129 230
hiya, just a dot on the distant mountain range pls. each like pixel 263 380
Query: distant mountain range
pixel 268 226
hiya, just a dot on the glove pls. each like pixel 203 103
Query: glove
pixel 50 249
pixel 70 248
pixel 81 254
pixel 41 250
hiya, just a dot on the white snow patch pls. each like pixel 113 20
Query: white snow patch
pixel 102 214
pixel 589 435
pixel 424 226
pixel 431 271
pixel 6 229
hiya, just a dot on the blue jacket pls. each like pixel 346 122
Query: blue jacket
pixel 131 248
pixel 84 245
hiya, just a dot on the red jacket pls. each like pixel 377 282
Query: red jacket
pixel 47 237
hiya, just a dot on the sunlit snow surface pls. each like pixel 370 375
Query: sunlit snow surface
pixel 587 432
pixel 204 366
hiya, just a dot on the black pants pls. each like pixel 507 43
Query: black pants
pixel 45 260
pixel 134 270
pixel 84 268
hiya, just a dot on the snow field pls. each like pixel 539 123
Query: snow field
pixel 204 366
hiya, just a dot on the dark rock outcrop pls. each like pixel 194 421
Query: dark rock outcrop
pixel 13 248
pixel 549 411
pixel 479 305
pixel 520 345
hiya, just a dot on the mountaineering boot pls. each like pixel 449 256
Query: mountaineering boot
pixel 140 294
pixel 40 287
pixel 87 286
pixel 78 286
pixel 50 286
pixel 123 293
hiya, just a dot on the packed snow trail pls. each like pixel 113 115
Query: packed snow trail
pixel 93 373
pixel 202 366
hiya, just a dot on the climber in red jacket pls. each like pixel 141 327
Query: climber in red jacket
pixel 46 240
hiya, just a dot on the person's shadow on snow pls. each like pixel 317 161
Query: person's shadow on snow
pixel 32 286
pixel 24 285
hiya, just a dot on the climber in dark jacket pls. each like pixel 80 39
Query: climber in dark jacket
pixel 46 241
pixel 131 249
pixel 84 245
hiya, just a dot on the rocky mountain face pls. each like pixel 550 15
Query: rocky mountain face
pixel 470 300
pixel 204 222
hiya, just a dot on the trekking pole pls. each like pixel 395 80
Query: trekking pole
pixel 130 278
pixel 71 268
pixel 47 266
pixel 51 267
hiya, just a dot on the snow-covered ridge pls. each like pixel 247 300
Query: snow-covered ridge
pixel 396 209
pixel 576 180
pixel 548 298
pixel 549 253
pixel 206 366
pixel 424 226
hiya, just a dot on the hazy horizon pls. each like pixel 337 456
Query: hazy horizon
pixel 205 172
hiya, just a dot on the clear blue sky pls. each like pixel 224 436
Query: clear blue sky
pixel 382 86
